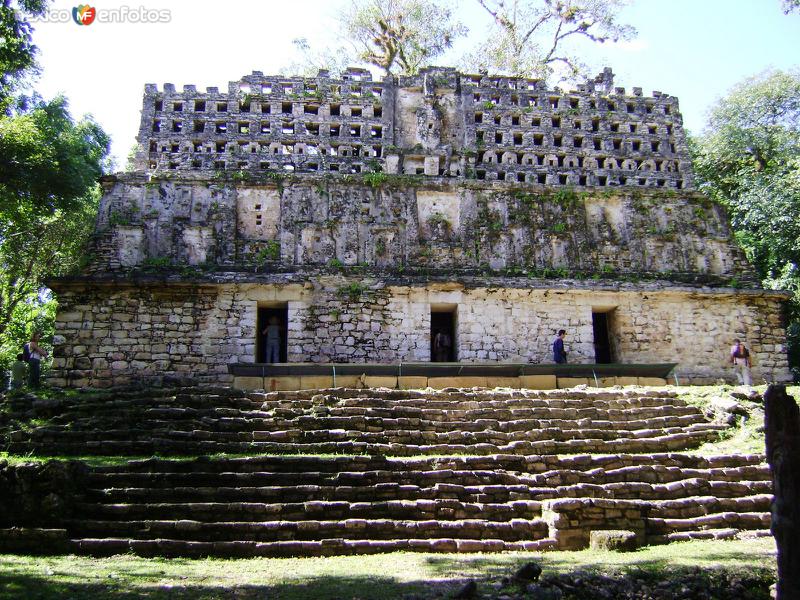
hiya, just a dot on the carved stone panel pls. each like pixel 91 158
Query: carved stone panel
pixel 259 213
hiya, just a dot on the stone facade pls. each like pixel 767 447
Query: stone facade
pixel 153 328
pixel 362 208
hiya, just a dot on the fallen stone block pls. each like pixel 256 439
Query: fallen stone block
pixel 613 539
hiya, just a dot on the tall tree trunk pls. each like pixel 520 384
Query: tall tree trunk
pixel 782 424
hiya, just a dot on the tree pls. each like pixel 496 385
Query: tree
pixel 17 52
pixel 749 160
pixel 790 6
pixel 313 60
pixel 47 162
pixel 400 36
pixel 529 38
pixel 49 166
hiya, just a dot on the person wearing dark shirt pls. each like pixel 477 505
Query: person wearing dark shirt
pixel 559 354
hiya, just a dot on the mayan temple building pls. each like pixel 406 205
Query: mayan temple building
pixel 364 217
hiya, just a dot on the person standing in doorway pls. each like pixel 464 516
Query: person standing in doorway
pixel 740 359
pixel 273 336
pixel 441 347
pixel 35 355
pixel 559 353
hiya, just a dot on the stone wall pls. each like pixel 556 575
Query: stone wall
pixel 359 207
pixel 401 224
pixel 438 123
pixel 151 329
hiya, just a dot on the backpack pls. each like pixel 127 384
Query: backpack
pixel 26 353
pixel 745 353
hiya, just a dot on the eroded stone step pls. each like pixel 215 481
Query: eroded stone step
pixel 697 506
pixel 329 547
pixel 724 520
pixel 267 531
pixel 447 509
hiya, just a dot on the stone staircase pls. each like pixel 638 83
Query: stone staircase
pixel 450 471
pixel 308 506
pixel 376 421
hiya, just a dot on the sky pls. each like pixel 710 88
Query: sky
pixel 693 49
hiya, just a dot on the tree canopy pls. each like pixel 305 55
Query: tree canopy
pixel 530 38
pixel 17 52
pixel 400 36
pixel 749 160
pixel 49 166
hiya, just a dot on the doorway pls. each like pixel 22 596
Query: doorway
pixel 273 314
pixel 603 353
pixel 443 333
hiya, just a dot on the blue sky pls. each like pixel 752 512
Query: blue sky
pixel 693 49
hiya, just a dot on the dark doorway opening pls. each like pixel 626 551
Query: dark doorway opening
pixel 443 334
pixel 275 315
pixel 602 341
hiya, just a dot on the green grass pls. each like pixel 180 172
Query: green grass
pixel 746 436
pixel 384 576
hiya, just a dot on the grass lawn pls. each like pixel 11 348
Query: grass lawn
pixel 385 576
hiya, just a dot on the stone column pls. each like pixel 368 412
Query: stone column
pixel 782 424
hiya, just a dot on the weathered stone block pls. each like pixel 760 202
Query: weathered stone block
pixel 652 381
pixel 350 381
pixel 500 382
pixel 613 539
pixel 570 382
pixel 315 382
pixel 276 384
pixel 410 382
pixel 248 383
pixel 375 381
pixel 538 382
pixel 439 383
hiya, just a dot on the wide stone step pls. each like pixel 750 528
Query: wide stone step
pixel 323 432
pixel 266 478
pixel 698 506
pixel 499 493
pixel 654 492
pixel 508 462
pixel 395 473
pixel 729 533
pixel 329 547
pixel 647 474
pixel 724 520
pixel 308 493
pixel 442 510
pixel 351 529
pixel 191 445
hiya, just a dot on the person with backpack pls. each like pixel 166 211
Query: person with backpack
pixel 19 371
pixel 740 359
pixel 34 353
